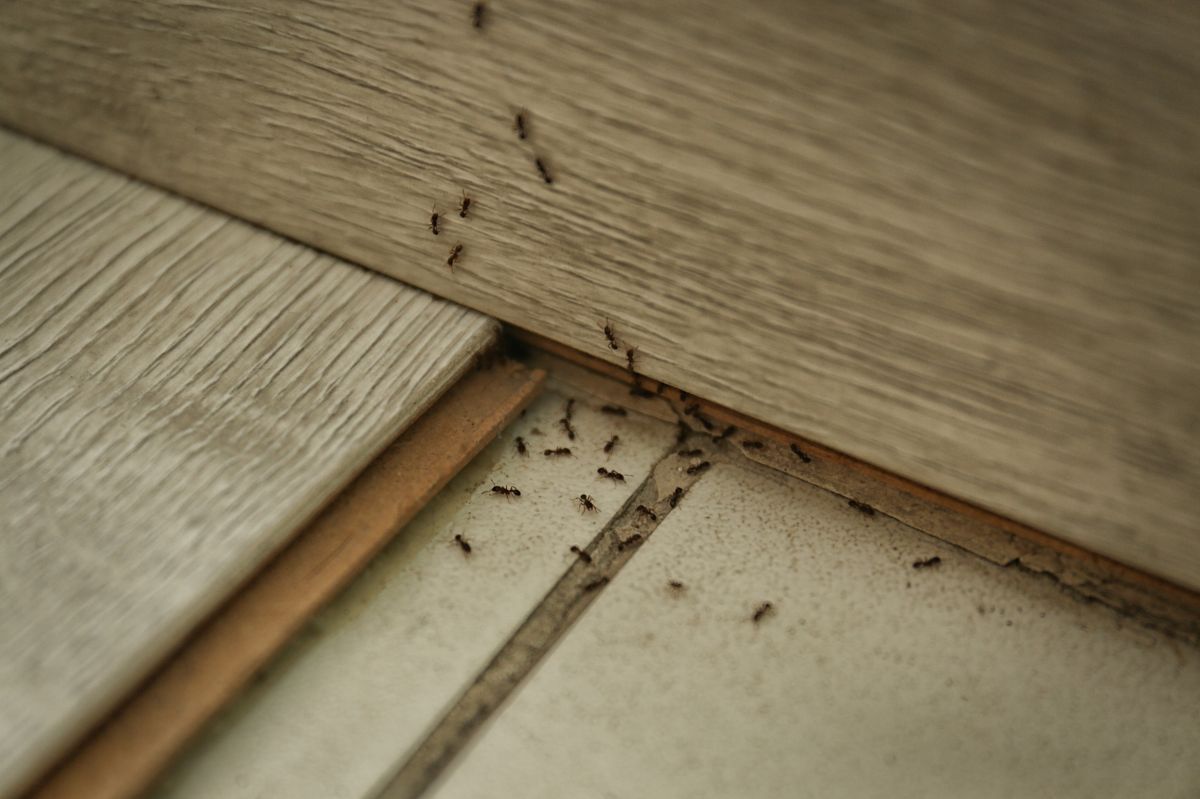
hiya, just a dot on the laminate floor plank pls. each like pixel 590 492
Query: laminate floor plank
pixel 179 392
pixel 956 241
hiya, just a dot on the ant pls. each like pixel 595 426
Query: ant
pixel 614 410
pixel 801 454
pixel 433 221
pixel 762 611
pixel 519 125
pixel 611 475
pixel 465 205
pixel 636 390
pixel 457 251
pixel 541 168
pixel 726 433
pixel 699 468
pixel 551 453
pixel 504 491
pixel 675 585
pixel 683 395
pixel 693 410
pixel 644 511
pixel 752 445
pixel 463 544
pixel 611 335
pixel 630 354
pixel 585 557
pixel 633 541
pixel 599 582
pixel 927 563
pixel 587 503
pixel 676 495
pixel 682 431
pixel 521 448
pixel 565 422
pixel 477 13
pixel 861 507
pixel 612 442
pixel 689 453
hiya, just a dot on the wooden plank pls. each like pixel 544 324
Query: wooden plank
pixel 134 746
pixel 181 393
pixel 957 241
pixel 868 677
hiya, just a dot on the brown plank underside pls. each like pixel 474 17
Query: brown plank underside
pixel 956 241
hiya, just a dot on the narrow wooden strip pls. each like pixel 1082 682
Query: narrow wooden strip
pixel 1144 597
pixel 131 748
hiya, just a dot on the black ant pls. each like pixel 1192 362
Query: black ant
pixel 861 507
pixel 465 205
pixel 726 433
pixel 585 557
pixel 752 445
pixel 565 423
pixel 519 125
pixel 801 454
pixel 693 410
pixel 521 448
pixel 689 453
pixel 611 335
pixel 599 582
pixel 463 544
pixel 676 495
pixel 699 468
pixel 612 442
pixel 433 221
pixel 504 491
pixel 644 511
pixel 542 170
pixel 762 611
pixel 477 13
pixel 682 431
pixel 927 563
pixel 611 475
pixel 457 251
pixel 587 503
pixel 630 354
pixel 633 541
pixel 614 410
pixel 551 453
pixel 675 585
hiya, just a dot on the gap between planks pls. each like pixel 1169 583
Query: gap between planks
pixel 1142 597
pixel 582 582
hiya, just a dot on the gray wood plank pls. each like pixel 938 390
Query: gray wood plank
pixel 958 241
pixel 179 392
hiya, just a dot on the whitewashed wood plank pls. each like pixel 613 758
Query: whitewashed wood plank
pixel 179 392
pixel 868 677
pixel 955 240
pixel 374 672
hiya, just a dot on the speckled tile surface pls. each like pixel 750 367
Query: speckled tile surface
pixel 868 678
pixel 374 670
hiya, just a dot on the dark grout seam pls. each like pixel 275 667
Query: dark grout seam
pixel 579 586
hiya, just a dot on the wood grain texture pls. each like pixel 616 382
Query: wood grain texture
pixel 180 393
pixel 134 746
pixel 954 240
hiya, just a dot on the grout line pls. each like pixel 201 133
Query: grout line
pixel 578 587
